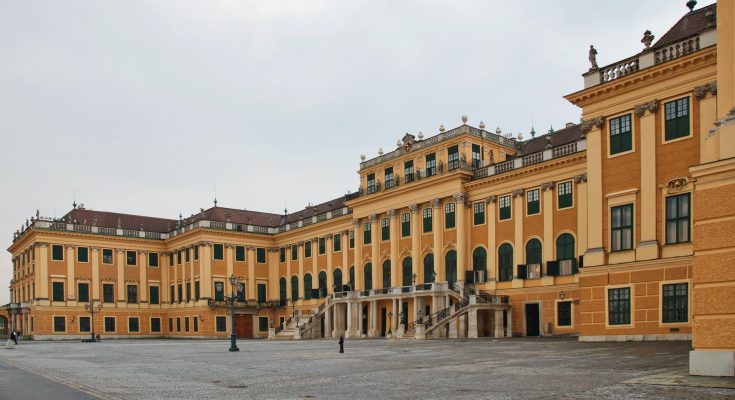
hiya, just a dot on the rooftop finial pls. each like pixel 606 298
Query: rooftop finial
pixel 215 201
pixel 464 119
pixel 551 128
pixel 498 131
pixel 399 143
pixel 421 135
pixel 533 132
pixel 691 4
pixel 362 157
pixel 647 39
pixel 482 125
pixel 380 151
pixel 441 128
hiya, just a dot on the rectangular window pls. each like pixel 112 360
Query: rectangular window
pixel 428 220
pixel 677 219
pixel 180 292
pixel 178 324
pixel 153 297
pixel 261 292
pixel 322 245
pixel 371 186
pixel 219 251
pixel 676 303
pixel 108 293
pixel 82 254
pixel 337 242
pixel 221 324
pixel 239 253
pixel 430 164
pixel 170 324
pixel 131 258
pixel 196 323
pixel 186 324
pixel 196 291
pixel 188 291
pixel 564 193
pixel 57 252
pixel 219 291
pixel 59 324
pixel 282 255
pixel 294 252
pixel 196 252
pixel 178 257
pixel 307 249
pixel 240 292
pixel 479 212
pixel 352 239
pixel 504 203
pixel 622 227
pixel 155 324
pixel 263 324
pixel 618 306
pixel 677 118
pixel 389 182
pixel 405 224
pixel 83 292
pixel 132 294
pixel 106 256
pixel 453 157
pixel 564 313
pixel 58 291
pixel 187 254
pixel 476 156
pixel 366 234
pixel 408 171
pixel 133 324
pixel 109 324
pixel 533 204
pixel 260 255
pixel 84 324
pixel 384 229
pixel 449 216
pixel 172 297
pixel 153 259
pixel 621 136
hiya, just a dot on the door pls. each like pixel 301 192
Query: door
pixel 365 319
pixel 532 319
pixel 382 321
pixel 405 316
pixel 244 325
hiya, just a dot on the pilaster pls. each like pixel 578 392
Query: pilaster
pixel 548 215
pixel 375 249
pixel 43 272
pixel 595 254
pixel 395 238
pixel 206 260
pixel 438 233
pixel 143 285
pixel 461 209
pixel 71 282
pixel 251 293
pixel 519 248
pixel 416 233
pixel 120 275
pixel 647 248
pixel 357 259
pixel 95 273
pixel 582 223
pixel 492 253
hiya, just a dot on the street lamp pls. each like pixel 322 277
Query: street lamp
pixel 390 316
pixel 91 309
pixel 233 339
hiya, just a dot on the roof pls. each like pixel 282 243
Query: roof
pixel 691 24
pixel 554 139
pixel 125 221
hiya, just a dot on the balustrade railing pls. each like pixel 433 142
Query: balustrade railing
pixel 620 69
pixel 676 50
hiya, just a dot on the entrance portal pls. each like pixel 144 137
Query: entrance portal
pixel 532 319
pixel 244 325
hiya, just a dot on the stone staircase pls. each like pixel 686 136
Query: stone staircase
pixel 305 323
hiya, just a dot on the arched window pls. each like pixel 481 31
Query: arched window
pixel 282 291
pixel 294 288
pixel 450 266
pixel 337 280
pixel 368 276
pixel 479 259
pixel 505 262
pixel 407 271
pixel 386 274
pixel 322 284
pixel 429 268
pixel 352 277
pixel 565 247
pixel 307 287
pixel 533 251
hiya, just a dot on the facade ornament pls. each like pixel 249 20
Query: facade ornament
pixel 647 39
pixel 373 218
pixel 356 222
pixel 435 203
pixel 700 92
pixel 677 184
pixel 459 197
pixel 229 245
pixel 595 122
pixel 581 178
pixel 491 199
pixel 651 106
pixel 441 128
pixel 407 142
pixel 592 56
pixel 710 18
pixel 69 247
pixel 250 248
pixel 274 249
pixel 547 186
pixel 413 208
pixel 518 193
pixel 392 213
pixel 464 120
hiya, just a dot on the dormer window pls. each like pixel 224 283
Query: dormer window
pixel 452 158
pixel 408 171
pixel 431 164
pixel 389 182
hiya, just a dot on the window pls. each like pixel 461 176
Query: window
pixel 219 291
pixel 196 323
pixel 307 249
pixel 479 212
pixel 261 292
pixel 533 205
pixel 106 256
pixel 58 291
pixel 294 252
pixel 677 219
pixel 476 156
pixel 565 247
pixel 263 324
pixel 564 313
pixel 622 227
pixel 294 288
pixel 153 259
pixel 260 255
pixel 504 203
pixel 241 292
pixel 676 114
pixel 155 324
pixel 196 291
pixel 408 171
pixel 108 293
pixel 186 324
pixel 449 216
pixel 405 224
pixel 368 276
pixel 371 186
pixel 218 252
pixel 84 324
pixel 188 291
pixel 505 262
pixel 153 297
pixel 384 229
pixel 618 306
pixel 178 257
pixel 59 324
pixel 386 274
pixel 366 234
pixel 282 255
pixel 352 239
pixel 428 221
pixel 675 303
pixel 322 245
pixel 83 292
pixel 533 260
pixel 389 182
pixel 109 324
pixel 453 157
pixel 57 252
pixel 564 191
pixel 307 287
pixel 196 252
pixel 187 254
pixel 170 324
pixel 132 294
pixel 337 242
pixel 621 137
pixel 172 297
pixel 239 253
pixel 430 164
pixel 131 258
pixel 82 254
pixel 133 324
pixel 178 324
pixel 221 323
pixel 180 292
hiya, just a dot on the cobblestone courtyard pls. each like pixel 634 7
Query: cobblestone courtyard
pixel 370 369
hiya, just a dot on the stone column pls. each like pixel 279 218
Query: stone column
pixel 349 325
pixel 330 254
pixel 95 274
pixel 519 249
pixel 328 322
pixel 492 252
pixel 499 331
pixel 206 260
pixel 143 267
pixel 71 280
pixel 359 319
pixel 358 257
pixel 251 294
pixel 395 239
pixel 415 238
pixel 581 181
pixel 459 198
pixel 394 317
pixel 373 319
pixel 438 233
pixel 595 254
pixel 43 272
pixel 647 248
pixel 472 323
pixel 462 326
pixel 375 253
pixel 120 276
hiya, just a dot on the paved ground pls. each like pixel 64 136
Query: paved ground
pixel 370 369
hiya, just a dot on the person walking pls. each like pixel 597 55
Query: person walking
pixel 14 336
pixel 341 344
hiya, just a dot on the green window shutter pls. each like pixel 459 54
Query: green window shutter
pixel 337 242
pixel 218 252
pixel 522 271
pixel 552 268
pixel 427 224
pixel 307 249
pixel 322 245
pixel 239 253
pixel 260 255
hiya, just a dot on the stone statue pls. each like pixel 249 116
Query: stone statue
pixel 593 57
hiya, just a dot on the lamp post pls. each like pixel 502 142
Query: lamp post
pixel 91 309
pixel 233 339
pixel 390 320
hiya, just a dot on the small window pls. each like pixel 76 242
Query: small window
pixel 307 249
pixel 677 219
pixel 677 118
pixel 82 254
pixel 618 310
pixel 261 292
pixel 621 136
pixel 133 324
pixel 371 186
pixel 405 224
pixel 337 242
pixel 58 291
pixel 170 324
pixel 196 252
pixel 260 255
pixel 83 292
pixel 675 303
pixel 57 252
pixel 180 290
pixel 564 191
pixel 505 262
pixel 449 216
pixel 428 220
pixel 408 171
pixel 59 324
pixel 153 259
pixel 109 324
pixel 132 294
pixel 384 229
pixel 106 256
pixel 156 324
pixel 178 324
pixel 504 203
pixel 153 297
pixel 172 294
pixel 431 164
pixel 322 245
pixel 196 323
pixel 108 293
pixel 84 324
pixel 186 324
pixel 533 204
pixel 479 212
pixel 239 253
pixel 476 156
pixel 221 323
pixel 263 324
pixel 294 252
pixel 352 239
pixel 388 174
pixel 366 234
pixel 131 258
pixel 178 257
pixel 622 227
pixel 564 313
pixel 187 254
pixel 282 255
pixel 218 252
pixel 196 291
pixel 453 157
pixel 219 291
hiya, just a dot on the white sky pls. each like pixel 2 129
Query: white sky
pixel 146 107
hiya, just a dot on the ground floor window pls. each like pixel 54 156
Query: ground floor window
pixel 84 324
pixel 178 324
pixel 133 324
pixel 155 324
pixel 221 324
pixel 196 324
pixel 59 324
pixel 618 303
pixel 676 302
pixel 263 324
pixel 186 324
pixel 109 324
pixel 564 313
pixel 170 324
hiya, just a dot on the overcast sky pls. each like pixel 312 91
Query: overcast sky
pixel 145 107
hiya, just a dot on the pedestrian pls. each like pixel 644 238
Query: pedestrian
pixel 341 344
pixel 14 336
pixel 98 338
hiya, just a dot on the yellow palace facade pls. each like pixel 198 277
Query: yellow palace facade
pixel 616 228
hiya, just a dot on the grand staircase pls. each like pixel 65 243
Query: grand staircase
pixel 304 323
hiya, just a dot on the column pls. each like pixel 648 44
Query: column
pixel 71 280
pixel 328 322
pixel 519 249
pixel 191 274
pixel 43 272
pixel 595 254
pixel 206 260
pixel 176 281
pixel 709 144
pixel 492 252
pixel 250 293
pixel 230 262
pixel 359 319
pixel 461 236
pixel 472 323
pixel 273 269
pixel 581 181
pixel 647 248
pixel 499 331
pixel 373 319
pixel 349 321
pixel 120 275
pixel 345 260
pixel 358 258
pixel 394 316
pixel 143 285
pixel 438 233
pixel 288 271
pixel 314 264
pixel 375 248
pixel 183 278
pixel 547 190
pixel 395 238
pixel 330 253
pixel 95 274
pixel 165 284
pixel 415 239
pixel 300 279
